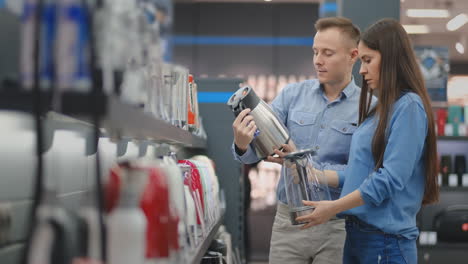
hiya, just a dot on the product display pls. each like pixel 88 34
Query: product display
pixel 72 44
pixel 268 87
pixel 455 118
pixel 56 225
pixel 445 169
pixel 465 115
pixel 441 117
pixel 156 210
pixel 167 213
pixel 450 224
pixel 127 223
pixel 264 180
pixel 451 121
pixel 88 213
pixel 128 59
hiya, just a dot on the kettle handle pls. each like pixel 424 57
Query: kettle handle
pixel 303 183
pixel 238 109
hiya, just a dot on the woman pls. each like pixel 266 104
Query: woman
pixel 392 167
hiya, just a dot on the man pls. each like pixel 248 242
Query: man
pixel 321 114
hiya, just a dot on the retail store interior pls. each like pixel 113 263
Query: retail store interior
pixel 117 140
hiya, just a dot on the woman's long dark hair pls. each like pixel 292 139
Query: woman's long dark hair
pixel 399 73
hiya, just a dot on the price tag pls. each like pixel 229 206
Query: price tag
pixel 462 129
pixel 453 180
pixel 448 130
pixel 465 180
pixel 423 238
pixel 431 238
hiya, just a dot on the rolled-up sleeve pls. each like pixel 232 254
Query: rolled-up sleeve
pixel 339 168
pixel 341 178
pixel 407 132
pixel 248 157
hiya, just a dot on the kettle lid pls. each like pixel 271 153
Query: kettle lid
pixel 246 95
pixel 299 154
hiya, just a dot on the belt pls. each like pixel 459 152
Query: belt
pixel 355 220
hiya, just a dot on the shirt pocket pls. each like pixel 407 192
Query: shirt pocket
pixel 340 137
pixel 301 128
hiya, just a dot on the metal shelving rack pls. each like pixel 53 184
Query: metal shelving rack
pixel 454 189
pixel 198 254
pixel 462 140
pixel 453 138
pixel 116 117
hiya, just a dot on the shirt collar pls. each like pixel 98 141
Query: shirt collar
pixel 347 92
pixel 350 89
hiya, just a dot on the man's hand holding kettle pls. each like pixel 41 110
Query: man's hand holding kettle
pixel 244 129
pixel 244 132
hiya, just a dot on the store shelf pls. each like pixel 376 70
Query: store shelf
pixel 446 245
pixel 205 244
pixel 117 118
pixel 454 189
pixel 127 121
pixel 453 138
pixel 445 104
pixel 60 121
pixel 22 101
pixel 439 104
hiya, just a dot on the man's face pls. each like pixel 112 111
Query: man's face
pixel 333 55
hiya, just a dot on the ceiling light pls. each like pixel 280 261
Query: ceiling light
pixel 456 22
pixel 416 29
pixel 434 13
pixel 267 0
pixel 460 48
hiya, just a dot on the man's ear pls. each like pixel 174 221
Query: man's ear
pixel 354 55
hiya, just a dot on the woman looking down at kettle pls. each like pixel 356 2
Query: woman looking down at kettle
pixel 392 167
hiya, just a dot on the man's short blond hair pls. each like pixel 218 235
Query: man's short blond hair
pixel 342 23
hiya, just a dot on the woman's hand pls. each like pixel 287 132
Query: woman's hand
pixel 324 210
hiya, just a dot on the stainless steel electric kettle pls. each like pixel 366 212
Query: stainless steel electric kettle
pixel 271 132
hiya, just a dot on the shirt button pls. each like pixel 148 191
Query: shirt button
pixel 317 147
pixel 322 126
pixel 344 129
pixel 301 122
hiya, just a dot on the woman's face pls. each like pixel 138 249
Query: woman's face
pixel 370 65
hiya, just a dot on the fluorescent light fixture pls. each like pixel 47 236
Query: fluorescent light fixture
pixel 267 0
pixel 434 13
pixel 460 48
pixel 457 22
pixel 416 29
